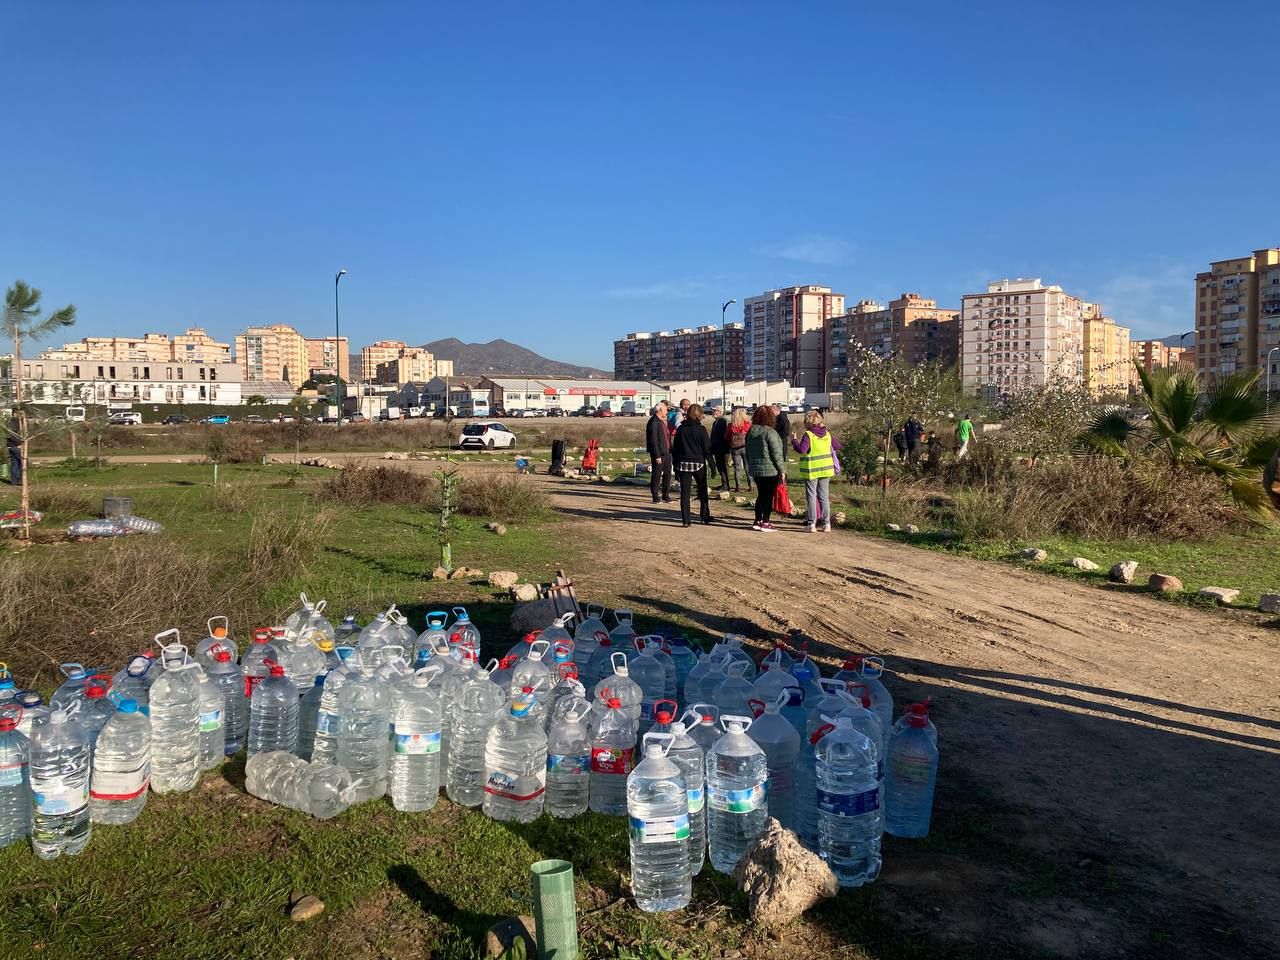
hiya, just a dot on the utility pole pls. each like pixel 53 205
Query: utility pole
pixel 337 356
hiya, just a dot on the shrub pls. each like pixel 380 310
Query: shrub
pixel 860 450
pixel 235 498
pixel 873 510
pixel 63 501
pixel 285 543
pixel 354 485
pixel 506 498
pixel 1012 512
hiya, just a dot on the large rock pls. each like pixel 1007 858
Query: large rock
pixel 1034 554
pixel 536 615
pixel 1269 603
pixel 524 593
pixel 395 456
pixel 911 529
pixel 1081 563
pixel 1163 583
pixel 504 935
pixel 304 908
pixel 503 579
pixel 1224 595
pixel 439 573
pixel 840 518
pixel 1124 571
pixel 893 528
pixel 781 878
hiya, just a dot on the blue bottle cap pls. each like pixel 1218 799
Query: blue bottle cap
pixel 128 706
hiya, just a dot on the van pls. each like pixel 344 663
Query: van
pixel 74 414
pixel 389 413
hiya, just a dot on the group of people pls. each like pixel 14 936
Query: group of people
pixel 755 446
pixel 908 441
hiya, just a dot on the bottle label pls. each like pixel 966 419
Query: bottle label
pixel 568 764
pixel 210 721
pixel 11 774
pixel 736 801
pixel 660 829
pixel 611 759
pixel 327 722
pixel 416 744
pixel 910 772
pixel 60 798
pixel 120 785
pixel 498 783
pixel 250 683
pixel 849 804
pixel 697 799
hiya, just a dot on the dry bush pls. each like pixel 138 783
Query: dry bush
pixel 1013 512
pixel 506 498
pixel 235 498
pixel 355 485
pixel 895 505
pixel 59 500
pixel 285 543
pixel 241 447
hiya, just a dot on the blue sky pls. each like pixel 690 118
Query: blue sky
pixel 562 173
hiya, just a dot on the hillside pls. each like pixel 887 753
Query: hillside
pixel 503 356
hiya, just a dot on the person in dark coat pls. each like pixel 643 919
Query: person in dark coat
pixel 913 430
pixel 900 442
pixel 13 444
pixel 720 446
pixel 658 443
pixel 783 428
pixel 690 452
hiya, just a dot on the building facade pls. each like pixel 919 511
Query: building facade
pixel 546 393
pixel 783 334
pixel 1106 356
pixel 380 351
pixel 737 393
pixel 1238 315
pixel 913 329
pixel 1152 355
pixel 412 364
pixel 701 353
pixel 194 346
pixel 324 359
pixel 54 378
pixel 275 352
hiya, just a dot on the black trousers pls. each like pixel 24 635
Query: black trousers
pixel 687 483
pixel 766 487
pixel 722 465
pixel 660 476
pixel 15 466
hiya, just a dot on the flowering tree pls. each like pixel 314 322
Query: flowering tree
pixel 887 391
pixel 1042 420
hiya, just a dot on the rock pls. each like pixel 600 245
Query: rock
pixel 1080 563
pixel 1224 595
pixel 781 878
pixel 499 530
pixel 893 528
pixel 504 934
pixel 1163 583
pixel 910 529
pixel 304 908
pixel 1124 571
pixel 460 573
pixel 395 456
pixel 1034 553
pixel 840 519
pixel 491 524
pixel 504 579
pixel 534 615
pixel 724 495
pixel 739 500
pixel 524 593
pixel 439 573
pixel 1269 603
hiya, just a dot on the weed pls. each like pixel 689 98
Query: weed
pixel 286 541
pixel 506 498
pixel 63 501
pixel 355 485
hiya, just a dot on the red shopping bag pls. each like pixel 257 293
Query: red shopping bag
pixel 781 499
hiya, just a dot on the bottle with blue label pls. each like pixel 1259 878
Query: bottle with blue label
pixel 415 753
pixel 569 758
pixel 911 771
pixel 658 819
pixel 850 820
pixel 692 761
pixel 737 805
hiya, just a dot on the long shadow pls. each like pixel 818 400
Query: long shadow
pixel 435 904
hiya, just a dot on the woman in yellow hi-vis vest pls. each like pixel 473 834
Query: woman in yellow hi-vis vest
pixel 818 464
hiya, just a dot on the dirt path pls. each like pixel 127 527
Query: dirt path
pixel 1133 733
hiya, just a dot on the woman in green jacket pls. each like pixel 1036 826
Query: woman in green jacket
pixel 765 464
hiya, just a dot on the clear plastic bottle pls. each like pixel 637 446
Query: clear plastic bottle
pixel 415 756
pixel 427 644
pixel 619 685
pixel 15 784
pixel 121 767
pixel 132 683
pixel 273 714
pixel 59 771
pixel 457 673
pixel 869 670
pixel 308 715
pixel 8 689
pixel 599 664
pixel 320 789
pixel 781 745
pixel 568 688
pixel 175 729
pixel 737 805
pixel 34 712
pixel 533 669
pixel 858 709
pixel 770 681
pixel 850 821
pixel 253 662
pixel 910 775
pixel 302 660
pixel 225 673
pixel 324 748
pixel 793 710
pixel 569 759
pixel 308 623
pixel 94 711
pixel 219 636
pixel 779 658
pixel 684 657
pixel 587 637
pixel 912 710
pixel 647 672
pixel 706 731
pixel 613 747
pixel 558 631
pixel 515 763
pixel 213 715
pixel 658 816
pixel 463 631
pixel 520 649
pixel 347 633
pixel 705 679
pixel 474 710
pixel 72 689
pixel 830 703
pixel 731 647
pixel 732 695
pixel 807 674
pixel 692 761
pixel 364 715
pixel 376 634
pixel 623 635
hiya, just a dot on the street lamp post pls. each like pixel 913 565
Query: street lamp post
pixel 724 346
pixel 337 355
pixel 1269 353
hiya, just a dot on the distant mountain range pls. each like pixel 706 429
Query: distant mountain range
pixel 1179 341
pixel 505 357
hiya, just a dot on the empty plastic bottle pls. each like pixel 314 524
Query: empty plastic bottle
pixel 301 659
pixel 737 803
pixel 515 762
pixel 308 715
pixel 72 689
pixel 463 630
pixel 121 769
pixel 59 771
pixel 911 771
pixel 324 748
pixel 619 685
pixel 705 679
pixel 850 821
pixel 376 634
pixel 780 742
pixel 364 712
pixel 706 731
pixel 658 815
pixel 600 664
pixel 415 755
pixel 308 620
pixel 685 658
pixel 731 646
pixel 320 789
pixel 869 670
pixel 94 711
pixel 34 712
pixel 533 669
pixel 647 672
pixel 111 527
pixel 587 637
pixel 219 636
pixel 15 784
pixel 253 664
pixel 225 672
pixel 273 714
pixel 427 644
pixel 913 709
pixel 132 683
pixel 733 693
pixel 692 761
pixel 569 759
pixel 474 710
pixel 613 747
pixel 175 729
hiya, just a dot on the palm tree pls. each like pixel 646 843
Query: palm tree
pixel 22 322
pixel 1223 430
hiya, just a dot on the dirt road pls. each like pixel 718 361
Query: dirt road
pixel 1130 738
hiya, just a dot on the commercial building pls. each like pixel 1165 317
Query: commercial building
pixel 381 351
pixel 690 353
pixel 1107 359
pixel 275 352
pixel 783 334
pixel 412 364
pixel 1021 333
pixel 911 328
pixel 1238 315
pixel 545 393
pixel 323 359
pixel 737 393
pixel 1152 355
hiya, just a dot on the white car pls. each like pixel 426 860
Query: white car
pixel 486 435
pixel 124 419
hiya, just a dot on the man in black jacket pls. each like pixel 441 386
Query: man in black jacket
pixel 720 446
pixel 658 442
pixel 783 427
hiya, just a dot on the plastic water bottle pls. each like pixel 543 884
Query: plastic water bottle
pixel 869 670
pixel 308 716
pixel 213 733
pixel 779 658
pixel 121 767
pixel 684 658
pixel 273 713
pixel 15 785
pixel 463 630
pixel 706 731
pixel 94 711
pixel 830 703
pixel 658 643
pixel 306 619
pixel 320 789
pixel 347 633
pixel 474 711
pixel 613 747
pixel 731 646
pixel 324 749
pixel 807 675
pixel 457 673
pixel 225 673
pixel 376 634
pixel 569 760
pixel 219 636
pixel 72 689
pixel 619 685
pixel 253 663
pixel 364 714
pixel 34 712
pixel 858 709
pixel 647 672
pixel 850 822
pixel 302 660
pixel 175 729
pixel 770 682
pixel 732 695
pixel 600 665
pixel 781 745
pixel 692 761
pixel 705 679
pixel 132 683
pixel 793 711
pixel 515 761
pixel 59 771
pixel 587 637
pixel 426 646
pixel 8 689
pixel 658 815
pixel 533 669
pixel 415 756
pixel 566 690
pixel 558 631
pixel 623 635
pixel 738 809
pixel 912 710
pixel 911 771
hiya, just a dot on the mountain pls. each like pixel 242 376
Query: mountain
pixel 505 357
pixel 1178 341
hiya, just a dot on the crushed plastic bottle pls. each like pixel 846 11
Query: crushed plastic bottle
pixel 273 713
pixel 219 636
pixel 319 789
pixel 121 769
pixel 72 689
pixel 225 673
pixel 175 728
pixel 59 772
pixel 515 763
pixel 911 772
pixel 569 759
pixel 781 745
pixel 364 712
pixel 737 803
pixel 613 747
pixel 415 753
pixel 658 816
pixel 15 784
pixel 473 711
pixel 850 821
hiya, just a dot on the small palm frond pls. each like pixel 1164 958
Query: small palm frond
pixel 1251 497
pixel 1108 433
pixel 1258 449
pixel 1235 407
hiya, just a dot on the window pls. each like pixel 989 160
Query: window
pixel 168 373
pixel 112 372
pixel 213 373
pixel 202 377
pixel 100 371
pixel 179 373
pixel 146 373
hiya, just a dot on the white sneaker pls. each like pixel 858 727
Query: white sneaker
pixel 755 526
pixel 811 528
pixel 826 528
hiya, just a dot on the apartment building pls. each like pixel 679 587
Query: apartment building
pixel 380 351
pixel 275 352
pixel 1021 333
pixel 1107 358
pixel 1152 355
pixel 912 328
pixel 327 356
pixel 193 346
pixel 783 334
pixel 689 353
pixel 412 365
pixel 1238 315
pixel 58 376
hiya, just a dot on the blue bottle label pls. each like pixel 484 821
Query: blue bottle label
pixel 417 744
pixel 327 722
pixel 736 801
pixel 849 804
pixel 697 799
pixel 568 764
pixel 11 774
pixel 60 798
pixel 210 720
pixel 660 829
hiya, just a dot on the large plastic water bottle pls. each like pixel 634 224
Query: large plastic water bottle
pixel 94 711
pixel 364 717
pixel 658 814
pixel 737 805
pixel 647 672
pixel 558 631
pixel 731 646
pixel 219 636
pixel 771 680
pixel 320 789
pixel 463 630
pixel 781 745
pixel 72 689
pixel 706 731
pixel 850 820
pixel 175 729
pixel 807 674
pixel 623 635
pixel 59 771
pixel 457 673
pixel 515 761
pixel 308 716
pixel 662 654
pixel 213 733
pixel 733 693
pixel 34 712
pixel 475 709
pixel 600 664
pixel 121 767
pixel 911 772
pixel 568 759
pixel 587 637
pixel 132 683
pixel 302 660
pixel 533 669
pixel 347 633
pixel 912 710
pixel 685 658
pixel 869 670
pixel 613 747
pixel 428 642
pixel 567 689
pixel 620 686
pixel 830 703
pixel 692 761
pixel 705 679
pixel 324 748
pixel 273 714
pixel 8 689
pixel 858 709
pixel 376 634
pixel 415 755
pixel 779 658
pixel 793 710
pixel 15 784
pixel 253 662
pixel 225 673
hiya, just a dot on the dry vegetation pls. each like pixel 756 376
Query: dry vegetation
pixel 505 498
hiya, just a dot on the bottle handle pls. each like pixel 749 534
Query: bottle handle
pixel 226 624
pixel 730 717
pixel 660 738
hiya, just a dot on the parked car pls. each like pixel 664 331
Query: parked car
pixel 486 435
pixel 256 418
pixel 504 412
pixel 555 412
pixel 175 418
pixel 217 420
pixel 529 412
pixel 123 419
pixel 603 412
pixel 586 410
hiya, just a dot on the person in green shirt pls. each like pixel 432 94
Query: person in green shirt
pixel 964 432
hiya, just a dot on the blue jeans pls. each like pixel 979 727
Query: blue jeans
pixel 15 465
pixel 817 496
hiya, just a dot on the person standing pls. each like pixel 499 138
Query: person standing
pixel 913 431
pixel 689 453
pixel 13 444
pixel 900 442
pixel 964 433
pixel 739 426
pixel 933 451
pixel 817 449
pixel 658 443
pixel 720 446
pixel 765 464
pixel 783 427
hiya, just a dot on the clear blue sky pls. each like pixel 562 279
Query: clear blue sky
pixel 560 174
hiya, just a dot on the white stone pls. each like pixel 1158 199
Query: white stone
pixel 1034 553
pixel 1124 571
pixel 1224 595
pixel 524 593
pixel 911 528
pixel 893 528
pixel 1080 563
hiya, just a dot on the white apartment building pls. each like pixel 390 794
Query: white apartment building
pixel 1020 333
pixel 56 377
pixel 783 334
